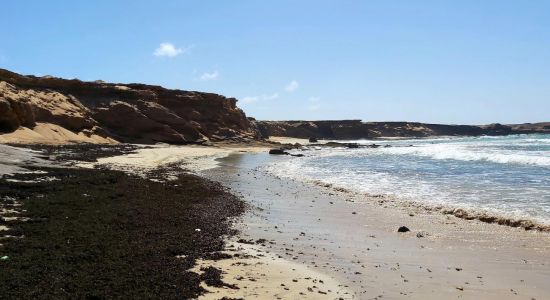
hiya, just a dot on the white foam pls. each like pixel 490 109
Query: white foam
pixel 406 172
pixel 465 153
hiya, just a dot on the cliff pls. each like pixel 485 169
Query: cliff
pixel 48 109
pixel 55 110
pixel 356 129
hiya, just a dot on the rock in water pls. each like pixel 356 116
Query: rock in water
pixel 313 140
pixel 403 229
pixel 278 152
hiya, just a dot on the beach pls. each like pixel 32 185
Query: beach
pixel 301 240
pixel 358 244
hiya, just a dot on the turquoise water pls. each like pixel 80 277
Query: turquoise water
pixel 508 176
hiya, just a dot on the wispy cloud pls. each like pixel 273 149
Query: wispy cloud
pixel 210 76
pixel 254 99
pixel 270 97
pixel 168 50
pixel 292 86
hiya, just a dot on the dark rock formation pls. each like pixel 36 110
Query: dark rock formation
pixel 136 113
pixel 543 127
pixel 356 129
pixel 278 152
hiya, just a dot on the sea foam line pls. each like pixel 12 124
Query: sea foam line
pixel 456 152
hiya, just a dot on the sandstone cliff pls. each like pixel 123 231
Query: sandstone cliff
pixel 356 129
pixel 43 109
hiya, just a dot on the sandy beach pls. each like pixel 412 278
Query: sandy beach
pixel 306 241
pixel 355 241
pixel 351 240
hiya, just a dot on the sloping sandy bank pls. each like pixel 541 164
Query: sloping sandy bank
pixel 51 134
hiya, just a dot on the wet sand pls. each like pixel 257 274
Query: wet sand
pixel 353 239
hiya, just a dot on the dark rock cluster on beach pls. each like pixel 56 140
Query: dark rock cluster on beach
pixel 96 233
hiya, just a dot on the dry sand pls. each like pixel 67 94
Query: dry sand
pixel 259 274
pixel 193 158
pixel 288 140
pixel 51 134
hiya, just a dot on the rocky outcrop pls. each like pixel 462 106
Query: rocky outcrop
pixel 543 127
pixel 356 129
pixel 135 113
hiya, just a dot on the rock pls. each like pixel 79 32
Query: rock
pixel 421 234
pixel 403 229
pixel 278 152
pixel 313 140
pixel 357 129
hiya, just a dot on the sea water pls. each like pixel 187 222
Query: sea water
pixel 508 176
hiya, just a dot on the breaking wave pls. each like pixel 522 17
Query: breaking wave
pixel 504 180
pixel 446 151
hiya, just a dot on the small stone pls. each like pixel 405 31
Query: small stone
pixel 403 229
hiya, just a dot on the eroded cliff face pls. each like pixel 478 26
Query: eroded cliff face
pixel 356 129
pixel 107 112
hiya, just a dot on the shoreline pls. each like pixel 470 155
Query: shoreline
pixel 437 242
pixel 305 232
pixel 461 211
pixel 467 214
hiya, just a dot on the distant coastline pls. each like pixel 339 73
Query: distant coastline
pixel 357 129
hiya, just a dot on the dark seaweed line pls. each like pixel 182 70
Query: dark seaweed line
pixel 97 233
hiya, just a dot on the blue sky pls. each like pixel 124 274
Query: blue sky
pixel 431 61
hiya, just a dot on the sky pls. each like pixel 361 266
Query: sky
pixel 457 62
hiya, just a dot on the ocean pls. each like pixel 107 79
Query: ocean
pixel 506 176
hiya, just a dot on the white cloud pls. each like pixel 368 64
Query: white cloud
pixel 270 97
pixel 292 86
pixel 314 99
pixel 253 99
pixel 210 76
pixel 168 50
